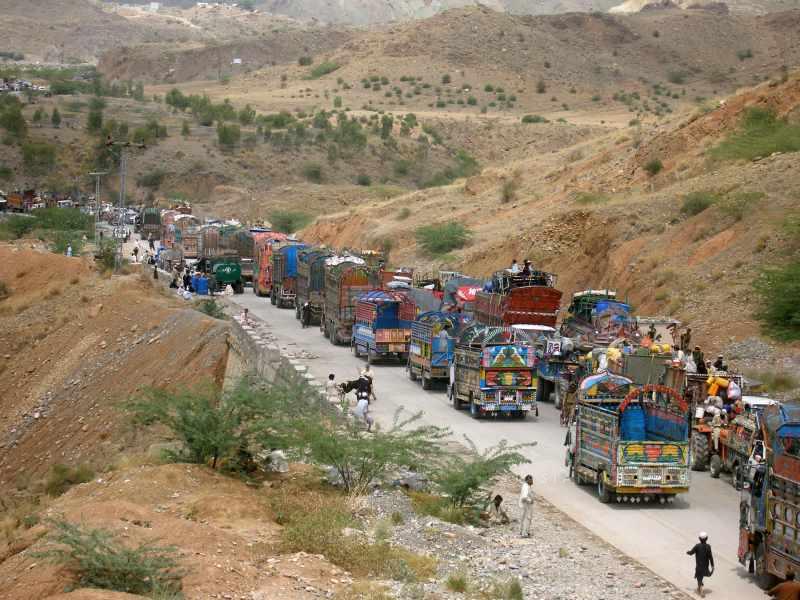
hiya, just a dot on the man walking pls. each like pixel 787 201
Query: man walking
pixel 703 558
pixel 526 504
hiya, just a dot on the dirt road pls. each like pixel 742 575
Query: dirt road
pixel 658 536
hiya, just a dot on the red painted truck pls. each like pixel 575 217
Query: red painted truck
pixel 519 300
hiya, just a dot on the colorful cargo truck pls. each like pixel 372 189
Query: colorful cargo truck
pixel 382 326
pixel 631 442
pixel 769 520
pixel 518 300
pixel 311 282
pixel 493 372
pixel 346 278
pixel 430 350
pixel 284 275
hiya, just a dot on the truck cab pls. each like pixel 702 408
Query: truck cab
pixel 383 325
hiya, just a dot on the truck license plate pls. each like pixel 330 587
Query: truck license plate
pixel 509 399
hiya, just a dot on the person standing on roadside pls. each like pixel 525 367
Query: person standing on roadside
pixel 703 559
pixel 526 504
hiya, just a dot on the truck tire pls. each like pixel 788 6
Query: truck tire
pixel 473 409
pixel 411 374
pixel 715 466
pixel 737 476
pixel 764 579
pixel 324 328
pixel 700 452
pixel 272 299
pixel 297 312
pixel 539 390
pixel 426 382
pixel 457 404
pixel 603 493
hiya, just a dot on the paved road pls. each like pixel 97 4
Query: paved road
pixel 658 536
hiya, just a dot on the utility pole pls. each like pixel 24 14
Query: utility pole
pixel 123 172
pixel 97 177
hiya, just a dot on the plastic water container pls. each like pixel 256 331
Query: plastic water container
pixel 194 282
pixel 201 287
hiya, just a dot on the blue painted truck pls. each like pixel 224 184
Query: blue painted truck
pixel 382 326
pixel 431 348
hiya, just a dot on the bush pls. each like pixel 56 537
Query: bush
pixel 465 166
pixel 775 381
pixel 99 560
pixel 541 87
pixel 508 192
pixel 457 582
pixel 744 54
pixel 152 180
pixel 62 477
pixel 696 202
pixel 654 167
pixel 404 213
pixel 211 307
pixel 466 479
pixel 305 61
pixel 289 221
pixel 472 100
pixel 738 205
pixel 364 180
pixel 94 122
pixel 440 239
pixel 211 429
pixel 446 79
pixel 760 134
pixel 323 69
pixel 62 219
pixel 228 135
pixel 64 239
pixel 106 254
pixel 534 119
pixel 401 168
pixel 313 172
pixel 5 291
pixel 779 289
pixel 6 172
pixel 18 225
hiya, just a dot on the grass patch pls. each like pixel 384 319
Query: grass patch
pixel 760 134
pixel 465 166
pixel 100 560
pixel 403 213
pixel 313 520
pixel 289 221
pixel 63 477
pixel 313 172
pixel 776 381
pixel 439 507
pixel 323 69
pixel 440 239
pixel 534 119
pixel 654 167
pixel 696 202
pixel 591 198
pixel 738 205
pixel 457 582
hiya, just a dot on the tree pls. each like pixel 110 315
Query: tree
pixel 780 313
pixel 138 91
pixel 247 115
pixel 39 116
pixel 55 119
pixel 185 131
pixel 387 122
pixel 228 135
pixel 13 121
pixel 94 122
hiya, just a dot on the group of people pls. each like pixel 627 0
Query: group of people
pixel 365 394
pixel 525 270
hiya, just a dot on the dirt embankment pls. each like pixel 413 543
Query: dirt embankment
pixel 77 346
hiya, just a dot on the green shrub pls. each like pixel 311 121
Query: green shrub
pixel 488 87
pixel 305 61
pixel 472 100
pixel 738 205
pixel 5 291
pixel 541 87
pixel 696 202
pixel 457 582
pixel 466 479
pixel 508 193
pixel 779 289
pixel 313 172
pixel 401 168
pixel 776 381
pixel 446 79
pixel 99 560
pixel 404 213
pixel 62 477
pixel 6 172
pixel 676 77
pixel 323 69
pixel 440 239
pixel 18 225
pixel 63 239
pixel 744 54
pixel 211 307
pixel 106 254
pixel 228 135
pixel 534 119
pixel 465 166
pixel 440 508
pixel 153 179
pixel 654 167
pixel 289 221
pixel 62 219
pixel 364 180
pixel 760 134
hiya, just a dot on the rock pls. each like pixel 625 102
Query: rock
pixel 103 344
pixel 94 311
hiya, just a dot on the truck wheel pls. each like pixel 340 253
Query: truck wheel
pixel 454 398
pixel 324 328
pixel 699 451
pixel 411 374
pixel 297 312
pixel 426 382
pixel 474 412
pixel 737 476
pixel 272 299
pixel 715 466
pixel 603 493
pixel 764 579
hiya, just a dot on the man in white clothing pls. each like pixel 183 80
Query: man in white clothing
pixel 526 504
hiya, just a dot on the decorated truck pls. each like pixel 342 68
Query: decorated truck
pixel 431 347
pixel 518 300
pixel 222 271
pixel 284 274
pixel 631 442
pixel 596 318
pixel 769 520
pixel 493 372
pixel 382 326
pixel 150 224
pixel 346 278
pixel 262 262
pixel 311 282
